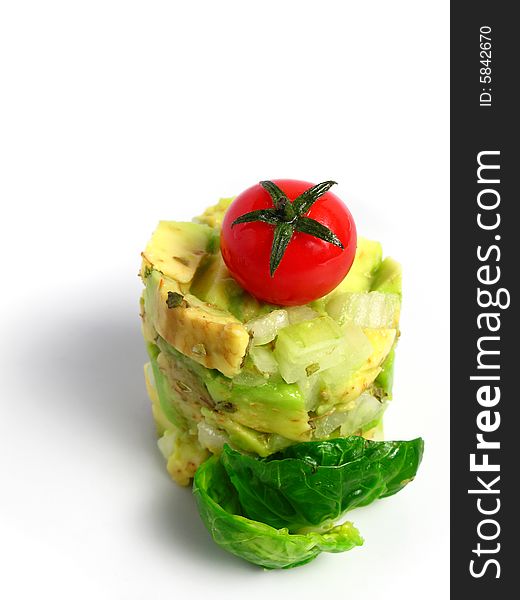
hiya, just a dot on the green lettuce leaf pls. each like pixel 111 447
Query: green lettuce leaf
pixel 254 541
pixel 312 484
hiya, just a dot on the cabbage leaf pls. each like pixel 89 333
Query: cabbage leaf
pixel 254 541
pixel 314 483
pixel 279 511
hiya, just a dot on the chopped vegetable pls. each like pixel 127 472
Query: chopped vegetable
pixel 265 329
pixel 279 512
pixel 373 309
pixel 313 483
pixel 309 347
pixel 255 541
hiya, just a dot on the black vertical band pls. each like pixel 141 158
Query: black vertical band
pixel 485 241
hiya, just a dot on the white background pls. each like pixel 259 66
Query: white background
pixel 117 114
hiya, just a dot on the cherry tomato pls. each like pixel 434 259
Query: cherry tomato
pixel 310 266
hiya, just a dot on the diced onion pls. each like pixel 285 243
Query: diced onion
pixel 365 409
pixel 263 360
pixel 373 309
pixel 265 329
pixel 297 314
pixel 368 408
pixel 210 437
pixel 310 388
pixel 167 443
pixel 309 347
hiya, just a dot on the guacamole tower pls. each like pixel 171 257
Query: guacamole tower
pixel 226 368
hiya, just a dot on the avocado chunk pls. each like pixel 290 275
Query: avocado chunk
pixel 366 262
pixel 240 437
pixel 382 341
pixel 176 249
pixel 213 215
pixel 147 329
pixel 385 379
pixel 170 406
pixel 184 392
pixel 161 420
pixel 212 337
pixel 183 453
pixel 274 407
pixel 388 278
pixel 214 284
pixel 245 438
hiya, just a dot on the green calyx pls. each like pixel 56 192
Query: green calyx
pixel 288 217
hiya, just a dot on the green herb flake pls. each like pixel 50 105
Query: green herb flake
pixel 311 369
pixel 199 350
pixel 226 407
pixel 147 271
pixel 174 299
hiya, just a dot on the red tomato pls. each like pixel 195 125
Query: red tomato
pixel 310 267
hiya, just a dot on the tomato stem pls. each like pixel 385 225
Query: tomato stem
pixel 287 211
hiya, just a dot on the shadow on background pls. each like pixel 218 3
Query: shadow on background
pixel 175 521
pixel 93 371
pixel 90 373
